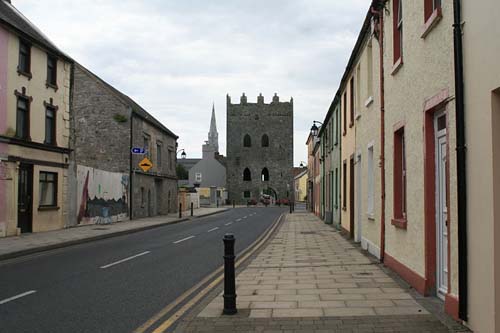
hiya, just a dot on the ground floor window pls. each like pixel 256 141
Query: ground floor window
pixel 48 189
pixel 246 194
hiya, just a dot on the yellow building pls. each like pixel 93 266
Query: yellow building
pixel 34 127
pixel 300 185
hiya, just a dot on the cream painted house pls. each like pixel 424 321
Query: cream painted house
pixel 481 55
pixel 368 142
pixel 34 127
pixel 420 140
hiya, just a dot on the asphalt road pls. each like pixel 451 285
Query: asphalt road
pixel 117 284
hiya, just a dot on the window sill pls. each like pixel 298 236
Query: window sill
pixel 370 216
pixel 27 74
pixel 369 101
pixel 431 22
pixel 397 65
pixel 50 85
pixel 400 223
pixel 48 208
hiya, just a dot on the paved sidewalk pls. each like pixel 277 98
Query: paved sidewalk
pixel 15 246
pixel 310 279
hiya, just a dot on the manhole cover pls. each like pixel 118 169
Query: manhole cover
pixel 100 229
pixel 308 232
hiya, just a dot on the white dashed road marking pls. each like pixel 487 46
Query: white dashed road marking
pixel 213 229
pixel 17 296
pixel 126 259
pixel 184 239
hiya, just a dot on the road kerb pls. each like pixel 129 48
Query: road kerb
pixel 56 246
pixel 243 257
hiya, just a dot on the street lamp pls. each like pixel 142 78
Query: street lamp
pixel 314 128
pixel 183 154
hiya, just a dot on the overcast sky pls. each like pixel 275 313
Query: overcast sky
pixel 175 58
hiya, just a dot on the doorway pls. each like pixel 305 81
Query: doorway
pixel 441 205
pixel 149 203
pixel 158 193
pixel 351 197
pixel 25 198
pixel 358 199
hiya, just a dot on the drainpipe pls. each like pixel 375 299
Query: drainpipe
pixel 130 191
pixel 461 162
pixel 377 10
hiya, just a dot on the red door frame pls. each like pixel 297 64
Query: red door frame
pixel 431 106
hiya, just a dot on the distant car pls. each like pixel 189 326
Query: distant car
pixel 284 202
pixel 251 202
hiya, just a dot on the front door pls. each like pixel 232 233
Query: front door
pixel 351 197
pixel 25 198
pixel 358 199
pixel 441 207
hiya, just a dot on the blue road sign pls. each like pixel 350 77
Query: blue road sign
pixel 138 150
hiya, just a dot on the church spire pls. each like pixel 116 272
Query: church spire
pixel 213 135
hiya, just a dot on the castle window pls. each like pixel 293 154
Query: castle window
pixel 265 175
pixel 247 141
pixel 247 194
pixel 265 141
pixel 247 175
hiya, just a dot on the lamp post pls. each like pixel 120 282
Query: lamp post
pixel 314 128
pixel 183 154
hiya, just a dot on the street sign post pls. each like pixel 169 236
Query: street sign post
pixel 145 164
pixel 138 151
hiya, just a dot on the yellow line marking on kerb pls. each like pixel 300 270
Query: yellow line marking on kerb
pixel 170 321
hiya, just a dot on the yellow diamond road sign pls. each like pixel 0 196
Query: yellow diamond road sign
pixel 145 164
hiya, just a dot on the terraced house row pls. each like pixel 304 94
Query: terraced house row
pixel 66 137
pixel 406 160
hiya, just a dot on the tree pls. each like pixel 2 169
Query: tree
pixel 182 173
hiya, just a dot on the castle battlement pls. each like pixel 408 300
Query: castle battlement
pixel 260 100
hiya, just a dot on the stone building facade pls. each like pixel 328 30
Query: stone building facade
pixel 108 183
pixel 259 149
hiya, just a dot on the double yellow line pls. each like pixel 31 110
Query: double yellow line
pixel 172 319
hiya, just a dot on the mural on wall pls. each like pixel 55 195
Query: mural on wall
pixel 102 196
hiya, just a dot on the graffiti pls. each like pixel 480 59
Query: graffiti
pixel 102 196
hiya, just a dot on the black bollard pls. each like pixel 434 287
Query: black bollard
pixel 229 276
pixel 290 205
pixel 217 203
pixel 234 203
pixel 191 209
pixel 180 209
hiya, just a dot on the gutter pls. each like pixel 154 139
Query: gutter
pixel 377 10
pixel 461 163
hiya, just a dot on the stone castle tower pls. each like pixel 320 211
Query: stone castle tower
pixel 259 148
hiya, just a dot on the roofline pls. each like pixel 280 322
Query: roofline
pixel 352 59
pixel 33 40
pixel 302 173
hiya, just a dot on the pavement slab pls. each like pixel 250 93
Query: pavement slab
pixel 309 278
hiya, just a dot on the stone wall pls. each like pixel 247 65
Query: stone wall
pixel 256 119
pixel 154 191
pixel 101 125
